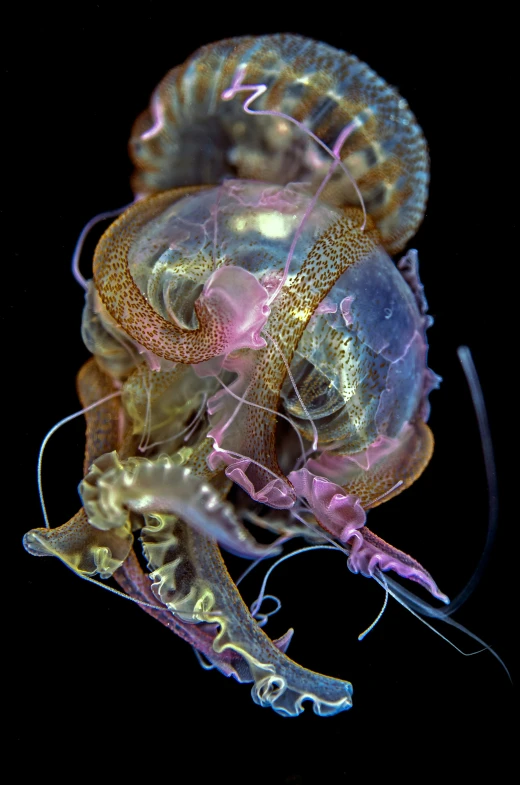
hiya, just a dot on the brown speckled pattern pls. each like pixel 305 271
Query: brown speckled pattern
pixel 315 84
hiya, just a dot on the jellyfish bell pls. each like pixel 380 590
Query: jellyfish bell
pixel 275 109
pixel 262 343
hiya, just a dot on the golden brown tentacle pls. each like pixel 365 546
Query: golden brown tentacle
pixel 103 422
pixel 128 306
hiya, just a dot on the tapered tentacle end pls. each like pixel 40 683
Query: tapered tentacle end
pixel 82 547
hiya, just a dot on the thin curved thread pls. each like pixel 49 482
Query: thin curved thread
pixel 241 402
pixel 128 344
pixel 215 232
pixel 256 604
pixel 237 86
pixel 258 90
pixel 115 591
pixel 242 457
pixel 477 397
pixel 379 615
pixel 147 425
pixel 279 541
pixel 310 207
pixel 410 601
pixel 262 618
pixel 190 428
pixel 186 431
pixel 383 495
pixel 401 595
pixel 204 664
pixel 48 436
pixel 296 390
pixel 265 409
pixel 83 236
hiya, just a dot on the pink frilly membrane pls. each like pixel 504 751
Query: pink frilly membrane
pixel 240 302
pixel 244 300
pixel 343 516
pixel 224 409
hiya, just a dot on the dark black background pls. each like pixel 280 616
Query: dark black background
pixel 91 669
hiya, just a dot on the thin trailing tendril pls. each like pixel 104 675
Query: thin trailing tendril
pixel 83 236
pixel 147 424
pixel 237 86
pixel 310 207
pixel 256 605
pixel 258 90
pixel 242 457
pixel 269 411
pixel 296 390
pixel 263 618
pixel 383 495
pixel 115 591
pixel 468 366
pixel 48 436
pixel 186 431
pixel 416 607
pixel 203 662
pixel 378 617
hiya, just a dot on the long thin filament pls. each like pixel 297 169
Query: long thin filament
pixel 48 436
pixel 83 236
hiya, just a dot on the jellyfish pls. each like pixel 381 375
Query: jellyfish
pixel 258 358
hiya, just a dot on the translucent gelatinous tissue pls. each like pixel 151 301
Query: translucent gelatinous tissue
pixel 264 344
